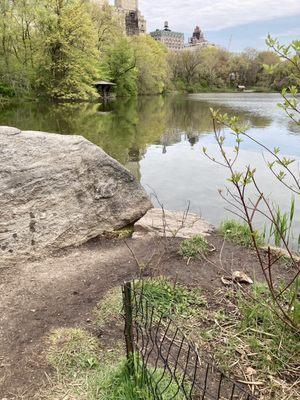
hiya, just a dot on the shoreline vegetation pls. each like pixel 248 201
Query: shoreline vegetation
pixel 15 101
pixel 57 50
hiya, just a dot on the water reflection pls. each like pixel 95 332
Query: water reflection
pixel 125 128
pixel 160 139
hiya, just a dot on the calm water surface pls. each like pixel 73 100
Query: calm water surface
pixel 160 140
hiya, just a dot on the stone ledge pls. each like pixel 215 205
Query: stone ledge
pixel 157 222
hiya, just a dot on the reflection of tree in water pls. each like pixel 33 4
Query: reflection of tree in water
pixel 193 117
pixel 293 127
pixel 124 128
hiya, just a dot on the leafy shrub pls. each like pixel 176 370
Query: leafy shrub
pixel 6 91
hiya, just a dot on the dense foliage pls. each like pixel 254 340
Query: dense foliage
pixel 214 68
pixel 56 49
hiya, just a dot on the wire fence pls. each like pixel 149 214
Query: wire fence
pixel 165 361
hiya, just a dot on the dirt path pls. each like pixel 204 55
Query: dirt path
pixel 37 297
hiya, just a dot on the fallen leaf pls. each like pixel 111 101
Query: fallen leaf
pixel 226 281
pixel 241 277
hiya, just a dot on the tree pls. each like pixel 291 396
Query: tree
pixel 184 66
pixel 107 23
pixel 151 64
pixel 119 65
pixel 214 66
pixel 67 56
pixel 17 46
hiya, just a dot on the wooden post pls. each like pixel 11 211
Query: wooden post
pixel 128 331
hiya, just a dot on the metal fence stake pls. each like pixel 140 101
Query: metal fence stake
pixel 128 331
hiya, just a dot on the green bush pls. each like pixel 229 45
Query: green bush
pixel 6 91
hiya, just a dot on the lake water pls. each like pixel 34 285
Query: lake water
pixel 160 140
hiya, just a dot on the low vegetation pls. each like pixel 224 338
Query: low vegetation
pixel 244 336
pixel 86 369
pixel 194 247
pixel 71 350
pixel 109 308
pixel 254 344
pixel 166 296
pixel 172 298
pixel 239 233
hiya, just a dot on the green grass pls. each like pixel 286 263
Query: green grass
pixel 71 350
pixel 282 228
pixel 274 347
pixel 109 308
pixel 121 234
pixel 239 233
pixel 85 371
pixel 170 298
pixel 194 247
pixel 163 294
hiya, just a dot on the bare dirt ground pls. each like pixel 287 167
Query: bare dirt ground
pixel 37 297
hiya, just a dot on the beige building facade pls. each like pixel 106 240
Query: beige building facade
pixel 172 40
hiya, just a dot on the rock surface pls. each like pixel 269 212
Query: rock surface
pixel 171 224
pixel 57 191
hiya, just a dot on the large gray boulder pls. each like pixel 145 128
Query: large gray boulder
pixel 57 191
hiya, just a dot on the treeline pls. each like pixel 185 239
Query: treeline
pixel 214 68
pixel 56 49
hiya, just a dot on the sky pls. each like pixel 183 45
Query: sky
pixel 233 24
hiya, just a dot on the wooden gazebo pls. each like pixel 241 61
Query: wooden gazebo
pixel 104 88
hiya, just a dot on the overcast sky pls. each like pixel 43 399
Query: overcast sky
pixel 238 23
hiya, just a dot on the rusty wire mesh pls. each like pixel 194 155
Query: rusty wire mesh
pixel 170 365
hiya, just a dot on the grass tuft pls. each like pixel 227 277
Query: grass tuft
pixel 109 308
pixel 87 372
pixel 194 247
pixel 71 350
pixel 170 298
pixel 239 233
